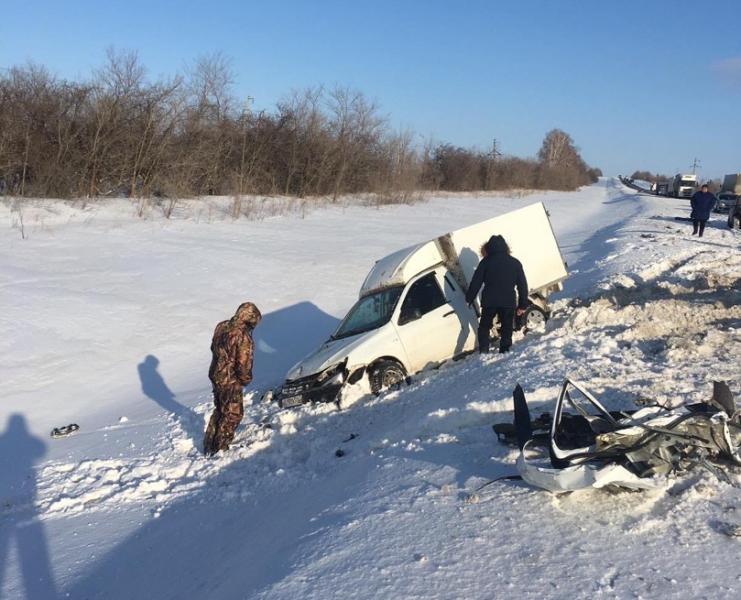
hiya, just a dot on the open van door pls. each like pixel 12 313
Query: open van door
pixel 467 319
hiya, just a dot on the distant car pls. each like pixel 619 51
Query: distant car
pixel 734 214
pixel 726 201
pixel 662 189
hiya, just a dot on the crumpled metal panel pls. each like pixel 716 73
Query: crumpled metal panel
pixel 627 452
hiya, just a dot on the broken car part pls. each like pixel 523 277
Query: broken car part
pixel 59 432
pixel 589 446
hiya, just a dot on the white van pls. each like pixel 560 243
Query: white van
pixel 412 312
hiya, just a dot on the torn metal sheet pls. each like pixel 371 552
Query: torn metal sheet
pixel 590 447
pixel 578 477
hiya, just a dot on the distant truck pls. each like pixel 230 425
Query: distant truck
pixel 729 192
pixel 412 312
pixel 682 186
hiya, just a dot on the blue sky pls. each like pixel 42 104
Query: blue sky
pixel 648 84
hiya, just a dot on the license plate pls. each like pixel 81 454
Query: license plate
pixel 291 401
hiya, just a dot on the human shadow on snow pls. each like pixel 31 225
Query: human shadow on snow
pixel 19 450
pixel 154 387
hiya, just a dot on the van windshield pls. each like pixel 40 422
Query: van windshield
pixel 689 182
pixel 370 312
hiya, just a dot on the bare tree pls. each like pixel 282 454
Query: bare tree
pixel 354 122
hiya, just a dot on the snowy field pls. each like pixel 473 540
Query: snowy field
pixel 106 321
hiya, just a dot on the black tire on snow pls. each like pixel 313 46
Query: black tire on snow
pixel 534 316
pixel 386 374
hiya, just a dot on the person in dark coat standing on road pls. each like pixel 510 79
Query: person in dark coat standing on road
pixel 230 371
pixel 500 274
pixel 702 203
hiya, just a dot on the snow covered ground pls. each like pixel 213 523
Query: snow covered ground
pixel 106 321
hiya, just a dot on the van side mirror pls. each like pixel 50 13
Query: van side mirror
pixel 409 316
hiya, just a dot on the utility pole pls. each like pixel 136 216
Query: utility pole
pixel 495 153
pixel 695 165
pixel 493 156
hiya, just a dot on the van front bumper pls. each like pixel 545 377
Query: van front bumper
pixel 324 386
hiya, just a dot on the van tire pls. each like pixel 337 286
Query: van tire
pixel 386 374
pixel 534 319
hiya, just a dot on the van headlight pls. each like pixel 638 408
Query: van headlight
pixel 333 374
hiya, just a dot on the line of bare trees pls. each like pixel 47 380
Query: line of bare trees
pixel 558 166
pixel 120 133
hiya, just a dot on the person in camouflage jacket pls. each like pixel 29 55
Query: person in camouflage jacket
pixel 231 370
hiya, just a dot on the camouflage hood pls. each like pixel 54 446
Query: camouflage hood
pixel 247 314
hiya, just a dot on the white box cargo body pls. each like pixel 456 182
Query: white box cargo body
pixel 412 311
pixel 528 233
pixel 530 237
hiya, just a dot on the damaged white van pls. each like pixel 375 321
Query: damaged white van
pixel 412 313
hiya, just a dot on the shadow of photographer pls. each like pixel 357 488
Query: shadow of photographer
pixel 19 450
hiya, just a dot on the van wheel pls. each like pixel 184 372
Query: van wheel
pixel 386 374
pixel 534 319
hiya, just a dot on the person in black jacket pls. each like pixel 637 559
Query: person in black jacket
pixel 500 274
pixel 702 203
